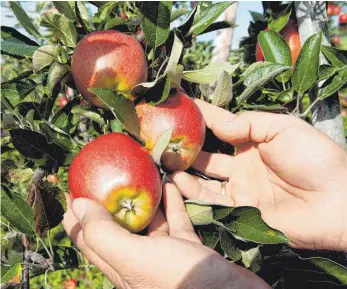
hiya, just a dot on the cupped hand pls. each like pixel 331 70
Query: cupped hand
pixel 292 172
pixel 171 256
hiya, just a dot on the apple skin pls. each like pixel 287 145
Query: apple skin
pixel 63 101
pixel 108 59
pixel 118 172
pixel 180 113
pixel 291 35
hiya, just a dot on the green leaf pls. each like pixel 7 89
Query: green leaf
pixel 156 21
pixel 63 119
pixel 209 236
pixel 199 214
pixel 175 55
pixel 122 108
pixel 104 11
pixel 12 35
pixel 48 210
pixel 248 224
pixel 278 23
pixel 229 248
pixel 55 137
pixel 154 92
pixel 207 16
pixel 24 19
pixel 17 212
pixel 7 243
pixel 307 65
pixel 210 73
pixel 55 74
pixel 161 145
pixel 326 71
pixel 11 273
pixel 19 175
pixel 106 284
pixel 256 16
pixel 335 57
pixel 17 49
pixel 116 125
pixel 222 212
pixel 34 146
pixel 251 259
pixel 187 24
pixel 256 78
pixel 334 269
pixel 114 22
pixel 84 14
pixel 286 96
pixel 14 93
pixel 64 8
pixel 333 84
pixel 175 14
pixel 276 50
pixel 44 56
pixel 223 93
pixel 80 110
pixel 62 28
pixel 218 26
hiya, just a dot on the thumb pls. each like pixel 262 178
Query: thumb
pixel 104 236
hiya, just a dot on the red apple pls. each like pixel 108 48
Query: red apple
pixel 291 35
pixel 118 172
pixel 63 101
pixel 343 18
pixel 108 59
pixel 180 113
pixel 70 284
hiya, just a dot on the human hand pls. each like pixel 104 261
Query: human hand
pixel 171 256
pixel 289 170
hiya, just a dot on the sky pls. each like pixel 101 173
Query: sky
pixel 243 18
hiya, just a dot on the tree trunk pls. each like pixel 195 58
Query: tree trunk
pixel 222 42
pixel 326 115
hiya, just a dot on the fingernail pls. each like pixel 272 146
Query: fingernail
pixel 80 207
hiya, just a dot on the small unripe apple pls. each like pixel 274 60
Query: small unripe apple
pixel 183 116
pixel 52 178
pixel 108 59
pixel 118 172
pixel 291 35
pixel 70 284
pixel 63 101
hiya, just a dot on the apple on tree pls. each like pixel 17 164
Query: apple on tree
pixel 108 59
pixel 291 35
pixel 118 172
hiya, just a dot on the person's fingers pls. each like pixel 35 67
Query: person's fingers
pixel 213 165
pixel 177 217
pixel 192 189
pixel 159 225
pixel 112 243
pixel 74 231
pixel 213 185
pixel 213 114
pixel 259 127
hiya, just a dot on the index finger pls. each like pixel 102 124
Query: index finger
pixel 213 114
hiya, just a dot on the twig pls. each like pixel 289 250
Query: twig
pixel 25 273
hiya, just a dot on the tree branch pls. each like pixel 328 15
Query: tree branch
pixel 326 114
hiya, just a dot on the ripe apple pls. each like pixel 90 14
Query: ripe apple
pixel 180 113
pixel 52 178
pixel 118 172
pixel 70 284
pixel 343 18
pixel 291 35
pixel 108 59
pixel 63 101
